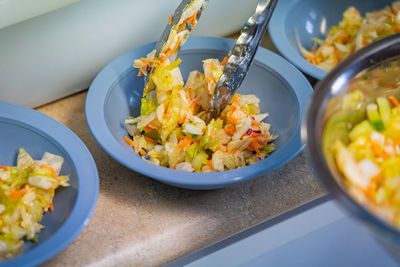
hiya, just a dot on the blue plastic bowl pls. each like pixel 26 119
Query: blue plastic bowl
pixel 295 22
pixel 116 92
pixel 73 205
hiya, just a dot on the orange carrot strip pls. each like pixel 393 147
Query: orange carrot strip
pixel 378 150
pixel 185 143
pixel 140 73
pixel 171 51
pixel 233 151
pixel 129 141
pixel 148 139
pixel 142 152
pixel 18 193
pixel 394 101
pixel 254 123
pixel 191 18
pixel 219 147
pixel 6 168
pixel 261 142
pixel 50 169
pixel 230 129
pixel 147 129
pixel 51 207
pixel 223 62
pixel 212 67
pixel 170 19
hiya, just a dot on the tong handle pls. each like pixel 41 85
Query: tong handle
pixel 242 55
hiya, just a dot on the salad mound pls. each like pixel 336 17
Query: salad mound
pixel 364 140
pixel 353 33
pixel 171 130
pixel 26 192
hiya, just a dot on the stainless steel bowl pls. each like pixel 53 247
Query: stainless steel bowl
pixel 322 105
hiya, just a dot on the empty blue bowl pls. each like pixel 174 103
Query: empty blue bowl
pixel 295 22
pixel 73 205
pixel 116 92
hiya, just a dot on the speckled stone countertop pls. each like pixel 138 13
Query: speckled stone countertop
pixel 141 222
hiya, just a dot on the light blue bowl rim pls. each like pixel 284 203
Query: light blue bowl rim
pixel 88 181
pixel 98 92
pixel 277 32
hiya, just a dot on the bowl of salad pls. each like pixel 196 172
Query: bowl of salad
pixel 48 186
pixel 353 133
pixel 160 131
pixel 317 35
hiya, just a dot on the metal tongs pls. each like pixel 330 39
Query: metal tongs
pixel 241 55
pixel 176 17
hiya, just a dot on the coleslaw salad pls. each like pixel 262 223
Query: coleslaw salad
pixel 26 192
pixel 353 33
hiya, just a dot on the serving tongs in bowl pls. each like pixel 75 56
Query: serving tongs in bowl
pixel 240 56
pixel 175 21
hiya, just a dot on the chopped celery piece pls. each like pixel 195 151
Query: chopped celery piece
pixel 199 160
pixel 384 110
pixel 374 118
pixel 361 129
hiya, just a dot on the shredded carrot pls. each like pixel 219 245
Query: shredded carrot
pixel 6 168
pixel 170 19
pixel 207 168
pixel 142 152
pixel 190 19
pixel 50 169
pixel 219 147
pixel 151 140
pixel 181 137
pixel 183 116
pixel 254 123
pixel 51 207
pixel 230 129
pixel 223 62
pixel 209 162
pixel 212 67
pixel 233 151
pixel 140 73
pixel 335 60
pixel 185 143
pixel 18 193
pixel 171 51
pixel 147 129
pixel 148 139
pixel 209 80
pixel 261 142
pixel 378 150
pixel 394 101
pixel 129 141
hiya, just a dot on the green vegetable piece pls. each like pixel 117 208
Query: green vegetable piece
pixel 384 110
pixel 199 160
pixel 153 134
pixel 361 129
pixel 374 117
pixel 148 106
pixel 338 128
pixel 191 152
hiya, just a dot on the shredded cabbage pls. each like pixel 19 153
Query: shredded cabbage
pixel 26 192
pixel 353 33
pixel 171 130
pixel 368 151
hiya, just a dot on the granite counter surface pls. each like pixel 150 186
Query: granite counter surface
pixel 141 222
